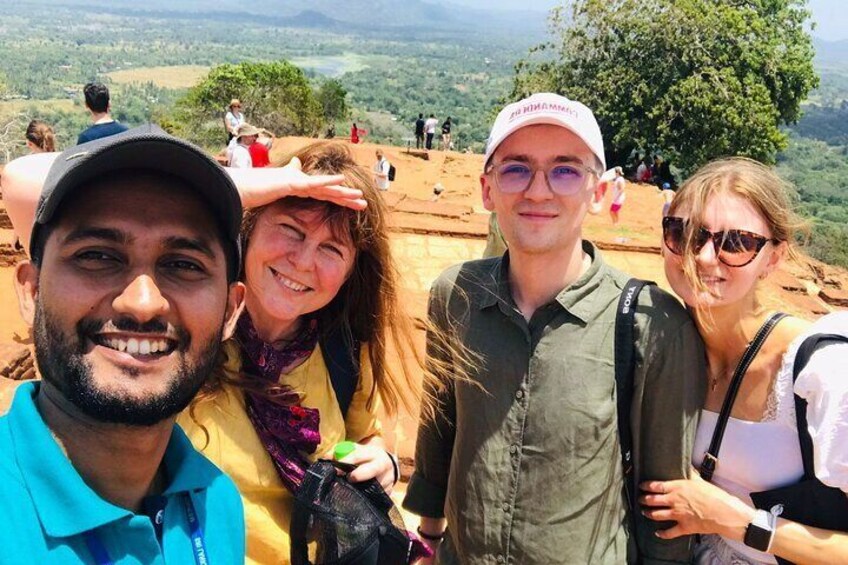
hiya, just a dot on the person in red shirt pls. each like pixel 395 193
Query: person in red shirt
pixel 354 134
pixel 259 154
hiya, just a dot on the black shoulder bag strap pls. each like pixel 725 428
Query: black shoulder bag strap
pixel 708 466
pixel 341 355
pixel 625 344
pixel 809 346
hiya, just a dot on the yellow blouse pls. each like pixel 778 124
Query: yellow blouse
pixel 235 447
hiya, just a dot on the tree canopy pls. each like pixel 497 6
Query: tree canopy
pixel 274 95
pixel 693 79
pixel 333 98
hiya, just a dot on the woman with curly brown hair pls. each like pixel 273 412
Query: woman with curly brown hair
pixel 313 270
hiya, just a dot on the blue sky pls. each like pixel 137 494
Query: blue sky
pixel 831 15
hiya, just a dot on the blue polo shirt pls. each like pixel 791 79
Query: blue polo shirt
pixel 49 514
pixel 98 131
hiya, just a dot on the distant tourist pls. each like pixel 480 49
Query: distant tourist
pixel 40 137
pixel 618 195
pixel 259 149
pixel 233 119
pixel 419 131
pixel 446 135
pixel 664 174
pixel 97 103
pixel 643 172
pixel 668 196
pixel 238 153
pixel 430 130
pixel 661 172
pixel 381 171
pixel 354 134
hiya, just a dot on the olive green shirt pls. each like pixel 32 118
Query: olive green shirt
pixel 525 462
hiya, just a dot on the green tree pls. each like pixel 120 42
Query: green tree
pixel 696 79
pixel 333 98
pixel 275 95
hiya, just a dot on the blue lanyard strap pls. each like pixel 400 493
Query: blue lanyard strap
pixel 101 555
pixel 200 557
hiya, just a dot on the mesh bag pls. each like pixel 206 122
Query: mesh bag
pixel 342 523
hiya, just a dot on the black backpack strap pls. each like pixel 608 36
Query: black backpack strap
pixel 809 346
pixel 625 345
pixel 708 465
pixel 341 355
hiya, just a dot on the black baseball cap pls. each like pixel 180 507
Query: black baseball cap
pixel 145 148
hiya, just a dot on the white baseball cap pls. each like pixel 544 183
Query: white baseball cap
pixel 552 109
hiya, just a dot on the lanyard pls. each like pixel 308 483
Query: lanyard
pixel 101 555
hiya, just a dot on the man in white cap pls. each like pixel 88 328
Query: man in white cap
pixel 238 152
pixel 525 461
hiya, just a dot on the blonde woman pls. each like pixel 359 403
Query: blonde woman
pixel 729 227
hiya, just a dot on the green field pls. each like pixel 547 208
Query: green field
pixel 177 76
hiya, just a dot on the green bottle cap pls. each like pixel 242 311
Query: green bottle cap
pixel 343 449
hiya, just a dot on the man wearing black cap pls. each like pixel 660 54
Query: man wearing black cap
pixel 130 291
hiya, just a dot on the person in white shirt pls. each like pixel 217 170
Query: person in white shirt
pixel 381 171
pixel 430 129
pixel 233 119
pixel 238 154
pixel 618 195
pixel 730 227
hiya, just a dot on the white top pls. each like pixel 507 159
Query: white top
pixel 381 174
pixel 430 125
pixel 240 157
pixel 618 191
pixel 757 456
pixel 234 120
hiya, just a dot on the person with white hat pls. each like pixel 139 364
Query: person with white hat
pixel 525 461
pixel 238 152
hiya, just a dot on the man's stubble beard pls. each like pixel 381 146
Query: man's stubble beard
pixel 62 364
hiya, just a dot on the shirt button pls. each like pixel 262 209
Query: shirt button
pixel 501 559
pixel 519 394
pixel 513 449
pixel 505 507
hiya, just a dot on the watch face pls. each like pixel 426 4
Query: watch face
pixel 757 537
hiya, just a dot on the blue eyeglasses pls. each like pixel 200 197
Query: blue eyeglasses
pixel 565 179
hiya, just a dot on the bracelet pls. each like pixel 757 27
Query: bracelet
pixel 430 537
pixel 395 467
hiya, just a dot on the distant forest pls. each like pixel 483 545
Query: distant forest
pixel 47 52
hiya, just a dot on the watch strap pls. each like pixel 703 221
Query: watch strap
pixel 759 532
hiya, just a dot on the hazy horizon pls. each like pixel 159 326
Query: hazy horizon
pixel 831 16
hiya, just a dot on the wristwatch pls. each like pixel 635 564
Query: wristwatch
pixel 760 531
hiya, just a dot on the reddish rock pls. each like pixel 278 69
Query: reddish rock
pixel 787 282
pixel 834 297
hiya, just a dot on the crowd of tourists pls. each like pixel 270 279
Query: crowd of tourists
pixel 215 346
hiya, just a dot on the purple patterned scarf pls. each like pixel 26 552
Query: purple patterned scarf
pixel 284 428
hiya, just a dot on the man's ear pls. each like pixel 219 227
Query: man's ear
pixel 235 305
pixel 26 287
pixel 486 192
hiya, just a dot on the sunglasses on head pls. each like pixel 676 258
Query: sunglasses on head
pixel 565 179
pixel 734 248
